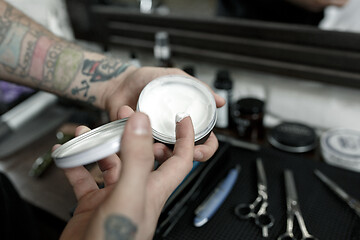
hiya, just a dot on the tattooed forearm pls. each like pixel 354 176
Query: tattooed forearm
pixel 29 52
pixel 31 55
pixel 118 227
pixel 61 67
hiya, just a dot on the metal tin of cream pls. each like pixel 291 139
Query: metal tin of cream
pixel 166 96
pixel 161 100
pixel 341 147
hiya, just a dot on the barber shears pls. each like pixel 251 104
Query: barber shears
pixel 293 210
pixel 352 202
pixel 258 209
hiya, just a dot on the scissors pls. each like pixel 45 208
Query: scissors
pixel 247 211
pixel 352 202
pixel 293 209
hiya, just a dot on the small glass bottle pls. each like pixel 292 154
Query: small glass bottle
pixel 248 115
pixel 162 50
pixel 134 60
pixel 223 87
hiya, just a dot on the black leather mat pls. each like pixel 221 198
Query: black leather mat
pixel 326 216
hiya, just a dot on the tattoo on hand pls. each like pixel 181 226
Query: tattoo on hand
pixel 119 227
pixel 84 88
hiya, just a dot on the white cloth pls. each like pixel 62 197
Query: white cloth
pixel 346 18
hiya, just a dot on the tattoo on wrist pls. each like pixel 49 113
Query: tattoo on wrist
pixel 98 71
pixel 119 227
pixel 104 69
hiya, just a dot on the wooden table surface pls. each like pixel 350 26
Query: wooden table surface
pixel 51 191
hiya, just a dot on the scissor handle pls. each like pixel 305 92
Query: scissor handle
pixel 264 220
pixel 244 211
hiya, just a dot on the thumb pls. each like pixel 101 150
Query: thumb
pixel 136 149
pixel 137 159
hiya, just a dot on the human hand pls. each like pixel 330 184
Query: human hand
pixel 202 152
pixel 129 205
pixel 318 5
pixel 127 90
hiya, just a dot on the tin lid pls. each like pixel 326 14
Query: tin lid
pixel 341 147
pixel 293 137
pixel 90 146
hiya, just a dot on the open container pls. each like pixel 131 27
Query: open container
pixel 161 100
pixel 340 147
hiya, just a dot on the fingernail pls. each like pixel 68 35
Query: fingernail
pixel 198 155
pixel 141 125
pixel 221 97
pixel 181 116
pixel 81 130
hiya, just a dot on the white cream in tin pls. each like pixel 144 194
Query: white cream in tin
pixel 166 96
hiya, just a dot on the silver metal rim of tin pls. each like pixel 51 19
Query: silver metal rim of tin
pixel 91 146
pixel 300 149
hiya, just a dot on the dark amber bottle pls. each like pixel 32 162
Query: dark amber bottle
pixel 248 115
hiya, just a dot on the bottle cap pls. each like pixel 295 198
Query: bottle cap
pixel 223 80
pixel 248 106
pixel 189 69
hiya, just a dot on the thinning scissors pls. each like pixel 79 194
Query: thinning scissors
pixel 352 202
pixel 293 209
pixel 247 211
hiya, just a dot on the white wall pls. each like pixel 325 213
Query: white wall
pixel 50 13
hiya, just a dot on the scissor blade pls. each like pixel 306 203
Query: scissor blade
pixel 290 187
pixel 261 174
pixel 352 202
pixel 332 185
